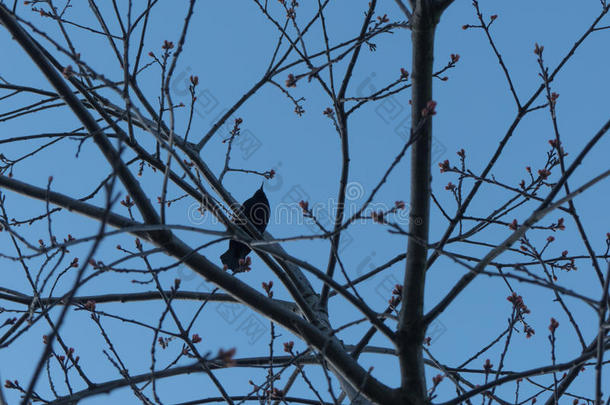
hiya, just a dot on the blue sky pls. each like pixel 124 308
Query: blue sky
pixel 229 48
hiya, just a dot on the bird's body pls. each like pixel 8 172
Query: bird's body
pixel 256 209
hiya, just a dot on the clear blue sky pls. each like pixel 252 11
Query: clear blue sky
pixel 229 47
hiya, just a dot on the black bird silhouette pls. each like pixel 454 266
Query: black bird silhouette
pixel 256 209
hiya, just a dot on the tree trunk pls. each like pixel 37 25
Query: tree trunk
pixel 411 329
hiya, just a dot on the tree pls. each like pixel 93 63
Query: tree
pixel 118 114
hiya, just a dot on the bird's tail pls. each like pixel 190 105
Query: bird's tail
pixel 230 260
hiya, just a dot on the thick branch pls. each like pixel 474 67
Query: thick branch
pixel 130 297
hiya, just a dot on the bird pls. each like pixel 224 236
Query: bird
pixel 256 209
